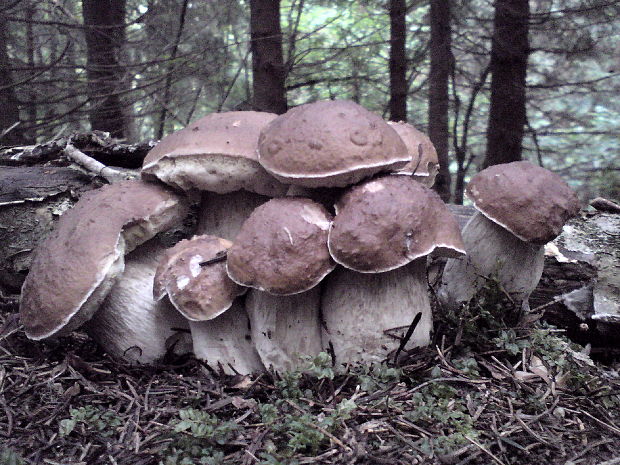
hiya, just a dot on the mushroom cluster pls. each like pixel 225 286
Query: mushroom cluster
pixel 313 234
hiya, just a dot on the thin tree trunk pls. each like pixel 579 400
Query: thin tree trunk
pixel 509 54
pixel 438 101
pixel 268 69
pixel 398 60
pixel 9 114
pixel 104 22
pixel 169 72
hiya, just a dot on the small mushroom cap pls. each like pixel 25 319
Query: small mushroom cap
pixel 282 247
pixel 387 222
pixel 199 292
pixel 75 266
pixel 331 143
pixel 215 153
pixel 424 163
pixel 529 201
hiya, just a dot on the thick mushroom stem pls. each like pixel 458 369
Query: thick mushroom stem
pixel 366 315
pixel 225 342
pixel 492 252
pixel 222 215
pixel 129 324
pixel 284 327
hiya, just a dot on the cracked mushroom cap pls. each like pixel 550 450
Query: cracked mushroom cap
pixel 215 153
pixel 424 163
pixel 387 222
pixel 332 143
pixel 282 247
pixel 199 292
pixel 75 267
pixel 529 201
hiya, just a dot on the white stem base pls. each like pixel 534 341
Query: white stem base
pixel 366 315
pixel 285 327
pixel 130 325
pixel 492 252
pixel 226 342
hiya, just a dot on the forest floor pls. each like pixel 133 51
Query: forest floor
pixel 486 392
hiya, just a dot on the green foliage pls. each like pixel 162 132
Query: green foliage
pixel 10 457
pixel 90 418
pixel 197 437
pixel 440 405
pixel 377 376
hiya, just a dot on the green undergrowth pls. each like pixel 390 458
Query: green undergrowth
pixel 496 386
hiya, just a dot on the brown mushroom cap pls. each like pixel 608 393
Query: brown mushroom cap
pixel 198 292
pixel 331 143
pixel 387 222
pixel 424 161
pixel 74 268
pixel 529 201
pixel 215 153
pixel 282 247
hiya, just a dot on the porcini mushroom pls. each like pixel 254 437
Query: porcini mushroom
pixel 130 325
pixel 520 207
pixel 424 163
pixel 193 276
pixel 78 264
pixel 281 252
pixel 382 233
pixel 216 155
pixel 332 143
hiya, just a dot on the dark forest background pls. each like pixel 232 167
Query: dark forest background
pixel 488 81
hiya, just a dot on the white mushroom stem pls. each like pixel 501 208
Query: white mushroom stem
pixel 492 252
pixel 130 324
pixel 285 327
pixel 222 215
pixel 366 315
pixel 226 341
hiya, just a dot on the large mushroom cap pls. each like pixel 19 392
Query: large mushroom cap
pixel 282 247
pixel 199 292
pixel 387 222
pixel 529 201
pixel 331 143
pixel 74 268
pixel 216 153
pixel 424 163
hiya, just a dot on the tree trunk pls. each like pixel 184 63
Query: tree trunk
pixel 398 60
pixel 267 59
pixel 438 99
pixel 10 105
pixel 104 22
pixel 509 54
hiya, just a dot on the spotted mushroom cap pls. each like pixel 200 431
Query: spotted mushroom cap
pixel 331 143
pixel 387 222
pixel 529 201
pixel 424 163
pixel 75 267
pixel 282 247
pixel 215 153
pixel 199 292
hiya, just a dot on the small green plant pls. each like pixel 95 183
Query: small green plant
pixel 440 405
pixel 197 437
pixel 319 366
pixel 507 340
pixel 10 457
pixel 91 418
pixel 377 376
